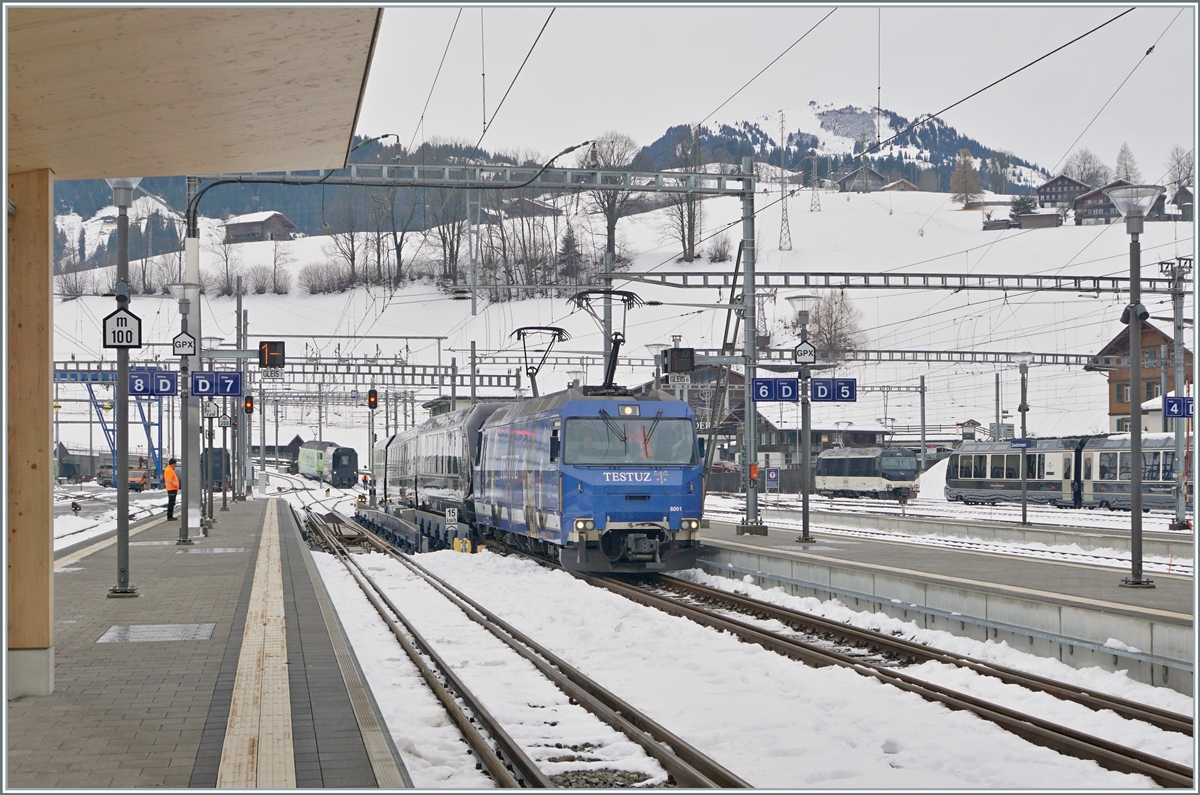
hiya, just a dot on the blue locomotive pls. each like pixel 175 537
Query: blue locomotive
pixel 600 483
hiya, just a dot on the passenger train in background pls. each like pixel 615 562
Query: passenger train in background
pixel 598 483
pixel 1070 472
pixel 877 472
pixel 328 462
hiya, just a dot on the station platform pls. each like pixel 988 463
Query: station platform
pixel 228 669
pixel 1074 612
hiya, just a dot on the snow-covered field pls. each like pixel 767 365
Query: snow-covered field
pixel 879 232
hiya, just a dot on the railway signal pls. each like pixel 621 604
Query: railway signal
pixel 270 354
pixel 372 400
pixel 249 404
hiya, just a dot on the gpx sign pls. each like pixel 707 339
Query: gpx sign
pixel 157 384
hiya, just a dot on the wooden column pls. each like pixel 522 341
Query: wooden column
pixel 30 463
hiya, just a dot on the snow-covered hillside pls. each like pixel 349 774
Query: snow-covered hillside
pixel 880 232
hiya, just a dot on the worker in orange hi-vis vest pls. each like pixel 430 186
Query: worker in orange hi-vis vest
pixel 171 481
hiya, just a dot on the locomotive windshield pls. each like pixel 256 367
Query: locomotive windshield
pixel 899 467
pixel 640 441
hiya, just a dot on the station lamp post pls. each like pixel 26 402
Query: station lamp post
pixel 122 191
pixel 803 304
pixel 185 293
pixel 1023 360
pixel 1133 202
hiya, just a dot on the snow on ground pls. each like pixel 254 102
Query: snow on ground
pixel 857 733
pixel 98 511
pixel 1147 738
pixel 893 232
pixel 536 713
pixel 771 720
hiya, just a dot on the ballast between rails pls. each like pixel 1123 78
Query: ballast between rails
pixel 1035 730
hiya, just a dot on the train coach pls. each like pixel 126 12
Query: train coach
pixel 597 483
pixel 328 462
pixel 876 472
pixel 1071 472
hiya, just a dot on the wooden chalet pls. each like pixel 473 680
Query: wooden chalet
pixel 1062 188
pixel 1094 208
pixel 255 227
pixel 1153 339
pixel 861 180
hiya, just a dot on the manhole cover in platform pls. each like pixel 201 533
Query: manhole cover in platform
pixel 137 633
pixel 213 550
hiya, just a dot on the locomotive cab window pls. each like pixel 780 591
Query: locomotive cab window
pixel 898 466
pixel 639 441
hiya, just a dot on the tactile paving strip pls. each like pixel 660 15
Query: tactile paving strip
pixel 214 549
pixel 136 633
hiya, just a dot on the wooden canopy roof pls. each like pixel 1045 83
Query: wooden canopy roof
pixel 134 92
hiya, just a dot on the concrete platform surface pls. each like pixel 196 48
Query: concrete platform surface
pixel 146 686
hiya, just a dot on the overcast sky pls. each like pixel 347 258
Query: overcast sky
pixel 639 70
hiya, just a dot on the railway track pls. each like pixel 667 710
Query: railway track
pixel 994 547
pixel 1080 519
pixel 1036 730
pixel 505 760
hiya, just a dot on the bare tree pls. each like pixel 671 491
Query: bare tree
pixel 281 257
pixel 1127 168
pixel 377 248
pixel 684 214
pixel 1180 165
pixel 835 323
pixel 258 279
pixel 718 250
pixel 227 260
pixel 400 223
pixel 1087 168
pixel 344 245
pixel 448 214
pixel 73 283
pixel 612 151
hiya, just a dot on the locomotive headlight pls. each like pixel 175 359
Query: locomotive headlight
pixel 585 524
pixel 690 524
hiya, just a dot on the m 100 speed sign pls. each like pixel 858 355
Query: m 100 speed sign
pixel 122 329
